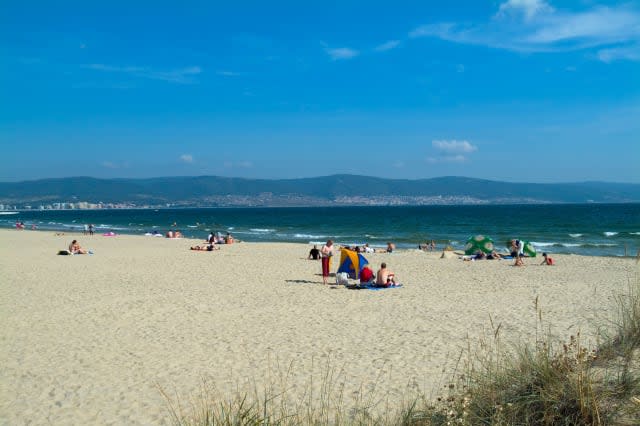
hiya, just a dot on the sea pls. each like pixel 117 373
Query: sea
pixel 583 229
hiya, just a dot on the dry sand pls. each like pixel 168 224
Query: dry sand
pixel 87 339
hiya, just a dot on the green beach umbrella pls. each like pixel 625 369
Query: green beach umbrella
pixel 479 242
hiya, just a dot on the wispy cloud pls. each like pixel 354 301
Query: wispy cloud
pixel 180 76
pixel 238 164
pixel 528 8
pixel 391 44
pixel 536 26
pixel 186 158
pixel 630 53
pixel 341 53
pixel 447 159
pixel 114 166
pixel 451 151
pixel 453 146
pixel 228 73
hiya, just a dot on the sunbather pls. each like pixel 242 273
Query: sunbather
pixel 74 248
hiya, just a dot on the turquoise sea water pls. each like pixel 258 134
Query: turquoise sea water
pixel 588 229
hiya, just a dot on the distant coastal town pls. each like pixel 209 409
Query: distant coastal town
pixel 270 200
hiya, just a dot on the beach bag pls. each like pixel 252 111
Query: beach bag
pixel 342 278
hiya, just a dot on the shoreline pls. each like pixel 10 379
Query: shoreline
pixel 381 245
pixel 88 338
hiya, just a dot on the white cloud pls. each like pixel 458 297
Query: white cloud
pixel 535 26
pixel 529 8
pixel 341 53
pixel 451 151
pixel 228 73
pixel 629 53
pixel 389 45
pixel 447 159
pixel 181 75
pixel 186 158
pixel 454 146
pixel 110 165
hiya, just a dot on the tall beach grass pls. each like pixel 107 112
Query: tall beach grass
pixel 549 382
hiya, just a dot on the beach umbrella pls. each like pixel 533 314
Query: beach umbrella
pixel 479 242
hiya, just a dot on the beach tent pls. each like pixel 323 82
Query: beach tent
pixel 352 263
pixel 528 249
pixel 479 242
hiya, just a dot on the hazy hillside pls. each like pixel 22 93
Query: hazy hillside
pixel 347 189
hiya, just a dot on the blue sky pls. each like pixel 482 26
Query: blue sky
pixel 514 90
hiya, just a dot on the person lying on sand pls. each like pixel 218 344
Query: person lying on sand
pixel 205 247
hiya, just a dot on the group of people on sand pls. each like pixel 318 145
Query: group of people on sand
pixel 88 229
pixel 427 246
pixel 213 240
pixel 382 278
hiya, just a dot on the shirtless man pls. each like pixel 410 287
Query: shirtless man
pixel 384 277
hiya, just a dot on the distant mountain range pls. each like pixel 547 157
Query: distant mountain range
pixel 327 190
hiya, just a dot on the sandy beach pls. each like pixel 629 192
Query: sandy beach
pixel 88 339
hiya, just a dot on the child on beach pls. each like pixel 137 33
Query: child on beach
pixel 548 260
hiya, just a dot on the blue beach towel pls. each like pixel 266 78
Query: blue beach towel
pixel 372 287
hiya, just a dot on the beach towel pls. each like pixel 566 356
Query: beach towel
pixel 372 287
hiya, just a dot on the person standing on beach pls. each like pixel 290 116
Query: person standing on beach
pixel 326 252
pixel 86 229
pixel 91 229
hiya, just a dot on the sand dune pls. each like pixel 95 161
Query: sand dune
pixel 87 339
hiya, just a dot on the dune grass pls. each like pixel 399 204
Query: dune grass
pixel 495 383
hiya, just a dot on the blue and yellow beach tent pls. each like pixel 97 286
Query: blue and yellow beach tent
pixel 352 263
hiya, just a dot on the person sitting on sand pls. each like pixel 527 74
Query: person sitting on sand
pixel 384 277
pixel 548 260
pixel 519 261
pixel 494 255
pixel 229 238
pixel 74 248
pixel 390 247
pixel 314 253
pixel 366 275
pixel 368 249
